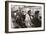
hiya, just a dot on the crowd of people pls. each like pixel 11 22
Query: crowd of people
pixel 26 20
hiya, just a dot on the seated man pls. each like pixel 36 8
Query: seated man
pixel 35 20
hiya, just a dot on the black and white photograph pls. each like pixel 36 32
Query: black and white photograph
pixel 25 16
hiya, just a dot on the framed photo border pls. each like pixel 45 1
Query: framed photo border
pixel 6 16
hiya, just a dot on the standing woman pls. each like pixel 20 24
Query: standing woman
pixel 28 19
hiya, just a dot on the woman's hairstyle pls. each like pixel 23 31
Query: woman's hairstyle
pixel 29 11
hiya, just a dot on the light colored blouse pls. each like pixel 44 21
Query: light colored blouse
pixel 27 20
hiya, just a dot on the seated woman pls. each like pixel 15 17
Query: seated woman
pixel 20 19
